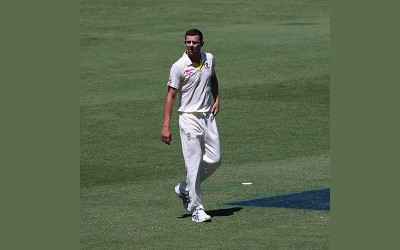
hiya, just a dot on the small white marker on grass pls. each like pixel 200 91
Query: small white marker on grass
pixel 247 183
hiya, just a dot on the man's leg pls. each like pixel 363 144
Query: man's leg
pixel 212 149
pixel 191 139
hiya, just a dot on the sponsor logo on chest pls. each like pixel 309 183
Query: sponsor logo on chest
pixel 189 71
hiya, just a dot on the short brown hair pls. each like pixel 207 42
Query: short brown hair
pixel 194 32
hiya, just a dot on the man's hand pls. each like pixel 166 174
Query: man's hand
pixel 215 108
pixel 166 136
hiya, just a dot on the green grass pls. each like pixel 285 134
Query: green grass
pixel 273 67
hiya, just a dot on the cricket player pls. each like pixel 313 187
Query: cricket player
pixel 193 77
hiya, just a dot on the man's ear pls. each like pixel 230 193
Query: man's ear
pixel 202 43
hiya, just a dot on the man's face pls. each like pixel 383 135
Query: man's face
pixel 193 45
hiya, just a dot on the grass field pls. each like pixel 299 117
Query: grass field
pixel 273 68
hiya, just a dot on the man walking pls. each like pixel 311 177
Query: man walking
pixel 193 77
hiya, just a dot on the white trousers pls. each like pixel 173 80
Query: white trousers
pixel 201 152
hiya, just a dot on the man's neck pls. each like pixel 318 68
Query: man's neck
pixel 195 58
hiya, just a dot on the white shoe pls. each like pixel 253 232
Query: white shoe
pixel 184 197
pixel 200 216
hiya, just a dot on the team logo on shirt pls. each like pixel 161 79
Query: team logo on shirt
pixel 189 72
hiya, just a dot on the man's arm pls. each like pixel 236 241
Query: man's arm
pixel 166 136
pixel 215 94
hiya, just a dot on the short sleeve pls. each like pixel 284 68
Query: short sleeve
pixel 174 77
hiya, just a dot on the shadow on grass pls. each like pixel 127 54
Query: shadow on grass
pixel 218 212
pixel 312 200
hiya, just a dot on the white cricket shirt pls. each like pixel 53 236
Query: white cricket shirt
pixel 193 82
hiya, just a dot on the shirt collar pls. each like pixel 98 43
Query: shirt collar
pixel 189 62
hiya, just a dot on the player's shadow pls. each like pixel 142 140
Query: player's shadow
pixel 313 200
pixel 218 212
